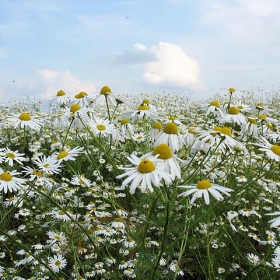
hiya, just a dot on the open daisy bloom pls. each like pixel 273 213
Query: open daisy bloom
pixel 171 137
pixel 24 120
pixel 272 151
pixel 100 126
pixel 142 111
pixel 169 162
pixel 8 181
pixel 107 94
pixel 234 115
pixel 203 188
pixel 144 174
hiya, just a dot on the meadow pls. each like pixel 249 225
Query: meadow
pixel 140 187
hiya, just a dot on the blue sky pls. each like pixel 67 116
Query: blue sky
pixel 138 46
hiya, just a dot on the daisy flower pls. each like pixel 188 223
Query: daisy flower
pixel 106 93
pixel 67 154
pixel 142 111
pixel 234 115
pixel 213 107
pixel 82 99
pixel 203 188
pixel 24 120
pixel 126 128
pixel 144 174
pixel 275 222
pixel 171 137
pixel 62 98
pixel 57 262
pixel 101 127
pixel 169 162
pixel 10 156
pixel 272 151
pixel 221 136
pixel 47 165
pixel 8 181
pixel 155 131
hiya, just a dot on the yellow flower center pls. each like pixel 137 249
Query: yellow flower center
pixel 6 176
pixel 37 173
pixel 143 107
pixel 11 199
pixel 146 166
pixel 101 127
pixel 46 165
pixel 61 213
pixel 231 89
pixel 269 125
pixel 57 262
pixel 146 101
pixel 171 118
pixel 252 120
pixel 260 106
pixel 262 117
pixel 204 184
pixel 275 149
pixel 62 154
pixel 24 116
pixel 215 103
pixel 10 155
pixel 105 90
pixel 124 121
pixel 233 110
pixel 75 107
pixel 119 220
pixel 163 150
pixel 171 128
pixel 157 125
pixel 240 107
pixel 217 128
pixel 81 95
pixel 60 93
pixel 226 130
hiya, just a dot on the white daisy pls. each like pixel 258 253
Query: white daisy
pixel 47 165
pixel 213 107
pixel 82 99
pixel 57 262
pixel 62 98
pixel 155 131
pixel 220 137
pixel 67 154
pixel 8 181
pixel 24 120
pixel 275 222
pixel 101 127
pixel 272 151
pixel 144 174
pixel 203 188
pixel 106 93
pixel 233 115
pixel 168 161
pixel 10 156
pixel 142 111
pixel 126 128
pixel 171 137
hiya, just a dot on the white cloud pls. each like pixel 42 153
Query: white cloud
pixel 52 81
pixel 173 68
pixel 243 22
pixel 139 47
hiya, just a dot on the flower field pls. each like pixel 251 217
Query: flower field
pixel 140 187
